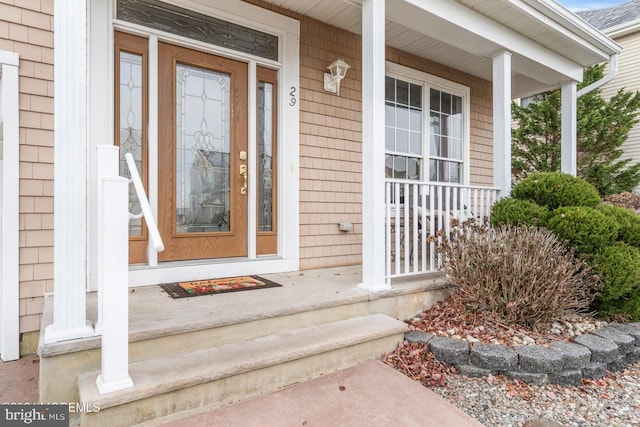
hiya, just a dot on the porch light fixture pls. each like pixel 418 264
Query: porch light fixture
pixel 338 69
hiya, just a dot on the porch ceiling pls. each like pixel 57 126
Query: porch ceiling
pixel 548 43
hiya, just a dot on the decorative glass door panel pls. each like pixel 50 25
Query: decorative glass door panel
pixel 131 121
pixel 202 175
pixel 267 117
pixel 203 146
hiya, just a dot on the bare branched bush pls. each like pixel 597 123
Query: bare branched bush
pixel 523 274
pixel 625 200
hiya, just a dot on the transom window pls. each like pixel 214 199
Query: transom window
pixel 415 150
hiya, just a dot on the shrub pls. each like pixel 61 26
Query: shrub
pixel 625 200
pixel 555 189
pixel 619 267
pixel 518 212
pixel 586 229
pixel 628 223
pixel 525 274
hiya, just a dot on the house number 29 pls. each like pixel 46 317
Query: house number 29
pixel 292 95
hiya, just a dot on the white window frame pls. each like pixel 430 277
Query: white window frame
pixel 429 81
pixel 102 24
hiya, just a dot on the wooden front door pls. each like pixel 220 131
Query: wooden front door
pixel 202 154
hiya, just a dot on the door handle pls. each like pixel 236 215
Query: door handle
pixel 243 172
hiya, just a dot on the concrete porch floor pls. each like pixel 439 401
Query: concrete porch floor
pixel 153 313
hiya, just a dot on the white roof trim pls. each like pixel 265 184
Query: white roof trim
pixel 623 29
pixel 565 18
pixel 484 27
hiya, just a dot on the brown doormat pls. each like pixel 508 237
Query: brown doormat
pixel 216 286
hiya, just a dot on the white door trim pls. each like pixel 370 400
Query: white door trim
pixel 287 30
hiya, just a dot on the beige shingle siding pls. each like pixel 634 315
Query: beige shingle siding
pixel 27 28
pixel 330 142
pixel 628 78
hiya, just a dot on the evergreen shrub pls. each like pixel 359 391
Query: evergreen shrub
pixel 556 189
pixel 628 223
pixel 518 212
pixel 618 265
pixel 586 229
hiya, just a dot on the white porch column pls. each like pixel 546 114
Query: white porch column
pixel 502 122
pixel 569 129
pixel 373 203
pixel 9 202
pixel 70 172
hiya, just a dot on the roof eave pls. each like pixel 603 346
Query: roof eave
pixel 567 19
pixel 623 29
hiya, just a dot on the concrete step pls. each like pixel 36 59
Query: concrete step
pixel 162 327
pixel 235 371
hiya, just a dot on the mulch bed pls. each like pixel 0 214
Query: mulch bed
pixel 451 318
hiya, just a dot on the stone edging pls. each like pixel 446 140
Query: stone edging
pixel 590 355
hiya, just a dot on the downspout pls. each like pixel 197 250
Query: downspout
pixel 613 71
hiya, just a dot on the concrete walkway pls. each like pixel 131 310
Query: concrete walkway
pixel 370 394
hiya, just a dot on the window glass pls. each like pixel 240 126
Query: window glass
pixel 403 129
pixel 405 142
pixel 131 125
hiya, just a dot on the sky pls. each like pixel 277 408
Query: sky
pixel 575 5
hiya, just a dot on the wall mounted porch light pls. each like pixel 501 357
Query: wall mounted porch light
pixel 338 69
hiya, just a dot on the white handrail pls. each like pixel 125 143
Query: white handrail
pixel 154 233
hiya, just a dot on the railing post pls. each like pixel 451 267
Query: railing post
pixel 115 291
pixel 107 166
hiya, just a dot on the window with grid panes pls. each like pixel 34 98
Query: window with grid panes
pixel 413 150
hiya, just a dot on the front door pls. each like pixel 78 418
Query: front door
pixel 202 154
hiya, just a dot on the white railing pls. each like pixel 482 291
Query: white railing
pixel 113 264
pixel 145 208
pixel 418 216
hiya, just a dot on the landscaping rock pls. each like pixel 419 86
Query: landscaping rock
pixel 575 356
pixel 602 349
pixel 449 350
pixel 624 342
pixel 473 371
pixel 618 364
pixel 493 356
pixel 595 370
pixel 528 377
pixel 628 329
pixel 535 358
pixel 633 356
pixel 573 377
pixel 541 423
pixel 418 336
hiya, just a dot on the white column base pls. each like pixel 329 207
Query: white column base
pixel 111 386
pixel 52 335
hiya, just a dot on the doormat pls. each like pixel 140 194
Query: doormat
pixel 216 286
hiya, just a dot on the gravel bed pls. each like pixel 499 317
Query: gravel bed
pixel 494 401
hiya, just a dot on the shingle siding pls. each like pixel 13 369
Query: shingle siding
pixel 27 28
pixel 629 79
